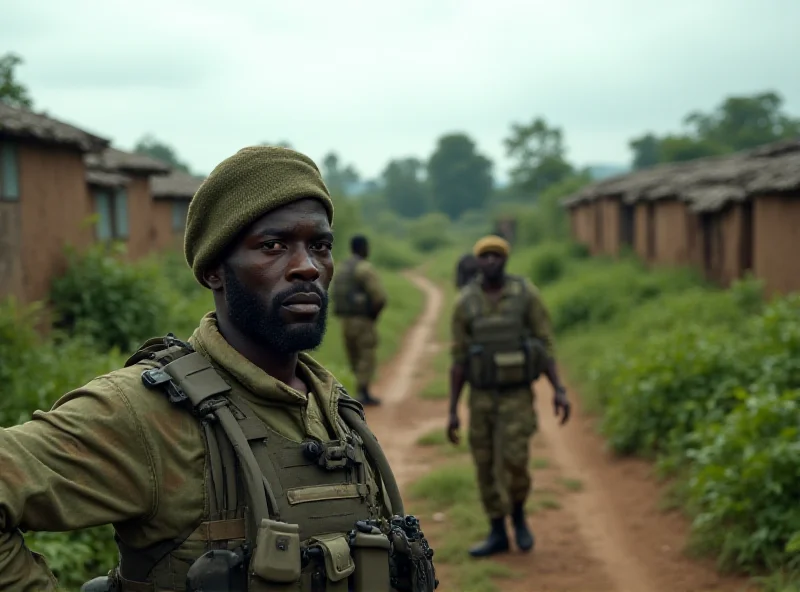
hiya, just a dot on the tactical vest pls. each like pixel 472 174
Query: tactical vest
pixel 282 515
pixel 349 297
pixel 502 354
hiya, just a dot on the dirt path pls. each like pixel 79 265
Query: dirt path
pixel 598 523
pixel 394 424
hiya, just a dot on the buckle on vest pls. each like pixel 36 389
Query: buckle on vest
pixel 156 377
pixel 331 456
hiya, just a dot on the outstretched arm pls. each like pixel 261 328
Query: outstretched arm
pixel 82 464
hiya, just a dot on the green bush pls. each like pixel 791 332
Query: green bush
pixel 596 292
pixel 708 382
pixel 76 556
pixel 17 335
pixel 115 303
pixel 36 371
pixel 744 482
pixel 430 232
pixel 392 254
pixel 672 382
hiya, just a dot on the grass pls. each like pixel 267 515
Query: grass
pixel 452 490
pixel 439 386
pixel 539 463
pixel 572 484
pixel 438 438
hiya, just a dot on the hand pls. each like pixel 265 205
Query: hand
pixel 560 402
pixel 452 428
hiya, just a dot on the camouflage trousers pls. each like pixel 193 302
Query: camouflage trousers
pixel 500 429
pixel 361 343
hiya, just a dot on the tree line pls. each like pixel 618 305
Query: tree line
pixel 457 178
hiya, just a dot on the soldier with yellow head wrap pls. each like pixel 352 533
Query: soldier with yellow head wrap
pixel 501 342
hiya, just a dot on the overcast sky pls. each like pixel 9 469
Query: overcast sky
pixel 377 80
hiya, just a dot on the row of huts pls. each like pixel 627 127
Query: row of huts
pixel 60 186
pixel 726 216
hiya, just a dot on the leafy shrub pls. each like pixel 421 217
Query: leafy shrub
pixel 392 254
pixel 76 556
pixel 430 232
pixel 708 381
pixel 116 303
pixel 17 335
pixel 346 223
pixel 596 292
pixel 36 371
pixel 674 381
pixel 744 481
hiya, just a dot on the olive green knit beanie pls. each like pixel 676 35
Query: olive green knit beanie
pixel 240 190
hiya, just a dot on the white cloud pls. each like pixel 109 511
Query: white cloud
pixel 378 80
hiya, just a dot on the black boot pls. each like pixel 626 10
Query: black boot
pixel 497 541
pixel 366 398
pixel 525 538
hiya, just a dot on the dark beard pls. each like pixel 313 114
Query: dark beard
pixel 263 323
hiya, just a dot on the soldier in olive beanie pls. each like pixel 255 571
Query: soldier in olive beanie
pixel 242 189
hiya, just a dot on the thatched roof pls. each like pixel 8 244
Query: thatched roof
pixel 23 123
pixel 176 185
pixel 105 179
pixel 112 160
pixel 707 183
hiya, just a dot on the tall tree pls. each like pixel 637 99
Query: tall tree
pixel 646 151
pixel 405 188
pixel 338 179
pixel 737 123
pixel 12 92
pixel 744 122
pixel 538 152
pixel 155 148
pixel 460 178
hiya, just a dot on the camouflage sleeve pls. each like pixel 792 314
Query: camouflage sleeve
pixel 84 463
pixel 539 320
pixel 369 279
pixel 458 332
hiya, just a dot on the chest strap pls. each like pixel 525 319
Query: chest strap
pixel 192 381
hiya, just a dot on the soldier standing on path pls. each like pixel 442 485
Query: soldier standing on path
pixel 502 342
pixel 234 461
pixel 466 270
pixel 359 299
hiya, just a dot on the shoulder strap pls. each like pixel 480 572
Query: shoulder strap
pixel 191 381
pixel 352 412
pixel 158 348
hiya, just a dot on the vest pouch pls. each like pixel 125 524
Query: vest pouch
pixel 497 357
pixel 479 371
pixel 511 368
pixel 371 553
pixel 339 563
pixel 276 557
pixel 536 358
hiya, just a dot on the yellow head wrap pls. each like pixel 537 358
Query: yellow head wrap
pixel 492 244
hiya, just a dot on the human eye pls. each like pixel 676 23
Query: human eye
pixel 272 245
pixel 324 246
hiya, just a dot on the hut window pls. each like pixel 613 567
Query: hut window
pixel 9 172
pixel 179 211
pixel 121 214
pixel 102 206
pixel 111 207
